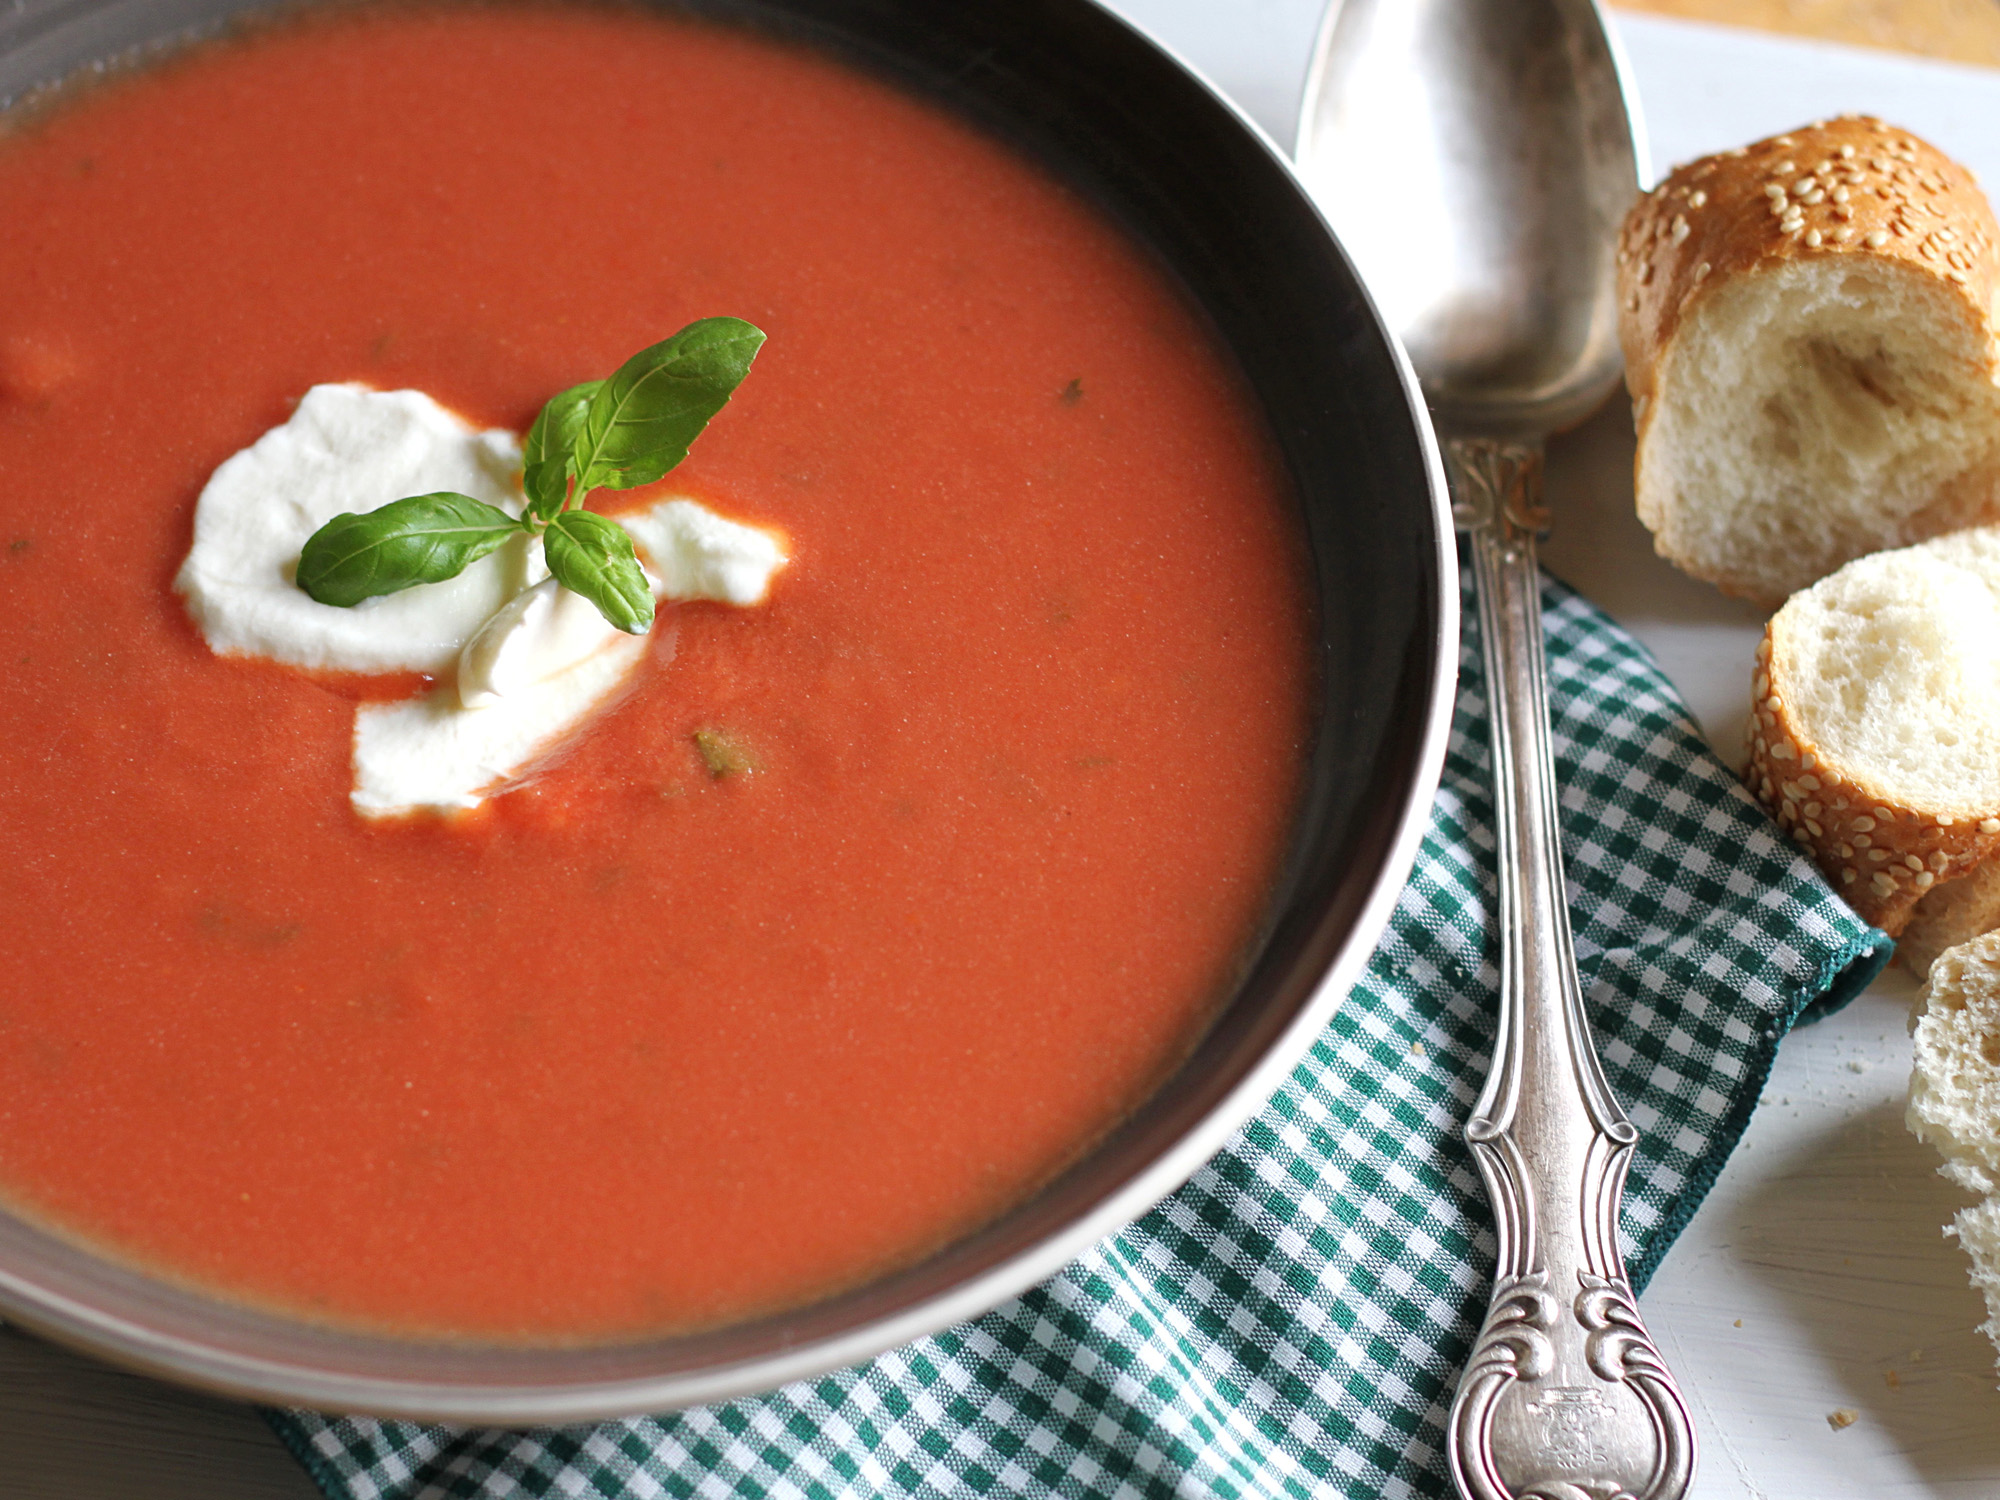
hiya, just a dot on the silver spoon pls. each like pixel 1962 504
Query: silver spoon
pixel 1476 157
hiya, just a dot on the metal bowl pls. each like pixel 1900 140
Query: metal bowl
pixel 1075 88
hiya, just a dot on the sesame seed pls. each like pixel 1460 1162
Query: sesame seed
pixel 1940 860
pixel 1783 168
pixel 1813 238
pixel 1956 276
pixel 1810 783
pixel 1842 212
pixel 1811 809
pixel 1774 703
pixel 1847 876
pixel 1864 825
pixel 1806 761
pixel 1925 879
pixel 1701 270
pixel 1813 828
pixel 1882 883
pixel 1697 198
pixel 1878 855
pixel 1913 862
pixel 1989 825
pixel 1760 684
pixel 1801 836
pixel 1841 195
pixel 1862 841
pixel 1764 654
pixel 1774 190
pixel 1883 815
pixel 1817 195
pixel 1804 185
pixel 1843 234
pixel 1783 752
pixel 1764 789
pixel 1780 207
pixel 1680 229
pixel 1847 153
pixel 1876 239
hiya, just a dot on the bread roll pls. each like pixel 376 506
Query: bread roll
pixel 1810 352
pixel 1875 731
pixel 1955 1096
pixel 1951 914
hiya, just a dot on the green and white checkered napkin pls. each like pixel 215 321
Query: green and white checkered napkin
pixel 1291 1322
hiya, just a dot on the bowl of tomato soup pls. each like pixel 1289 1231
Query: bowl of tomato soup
pixel 1077 757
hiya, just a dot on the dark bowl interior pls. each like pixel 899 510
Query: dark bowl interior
pixel 1075 88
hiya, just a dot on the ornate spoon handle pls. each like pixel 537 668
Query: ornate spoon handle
pixel 1565 1396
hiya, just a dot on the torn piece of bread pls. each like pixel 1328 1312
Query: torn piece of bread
pixel 1875 727
pixel 1955 1096
pixel 1811 354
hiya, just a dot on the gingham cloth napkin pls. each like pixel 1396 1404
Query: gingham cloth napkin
pixel 1291 1322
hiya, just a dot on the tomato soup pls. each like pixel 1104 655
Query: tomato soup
pixel 635 1046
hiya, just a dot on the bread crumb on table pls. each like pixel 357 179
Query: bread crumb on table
pixel 1842 1416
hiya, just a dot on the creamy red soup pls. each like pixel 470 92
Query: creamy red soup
pixel 632 1047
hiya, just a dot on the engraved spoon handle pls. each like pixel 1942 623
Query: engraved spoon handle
pixel 1565 1396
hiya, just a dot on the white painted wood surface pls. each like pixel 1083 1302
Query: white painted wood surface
pixel 1816 1279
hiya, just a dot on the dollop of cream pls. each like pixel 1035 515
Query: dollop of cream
pixel 522 662
pixel 537 635
pixel 348 448
pixel 695 554
pixel 433 754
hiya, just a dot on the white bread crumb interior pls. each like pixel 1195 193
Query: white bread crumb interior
pixel 1891 667
pixel 1955 1097
pixel 1875 722
pixel 1814 412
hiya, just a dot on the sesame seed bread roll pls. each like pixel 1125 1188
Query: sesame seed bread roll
pixel 1955 1097
pixel 1875 725
pixel 1811 355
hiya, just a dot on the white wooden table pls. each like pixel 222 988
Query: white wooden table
pixel 1815 1280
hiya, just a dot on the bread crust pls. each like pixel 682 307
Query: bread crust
pixel 1848 187
pixel 1882 856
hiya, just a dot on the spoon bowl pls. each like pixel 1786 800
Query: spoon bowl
pixel 1489 251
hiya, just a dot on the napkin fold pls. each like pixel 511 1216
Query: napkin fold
pixel 1292 1321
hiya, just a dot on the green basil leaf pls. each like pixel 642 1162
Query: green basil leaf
pixel 545 456
pixel 594 557
pixel 642 421
pixel 424 539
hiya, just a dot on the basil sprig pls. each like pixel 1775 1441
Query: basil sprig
pixel 604 434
